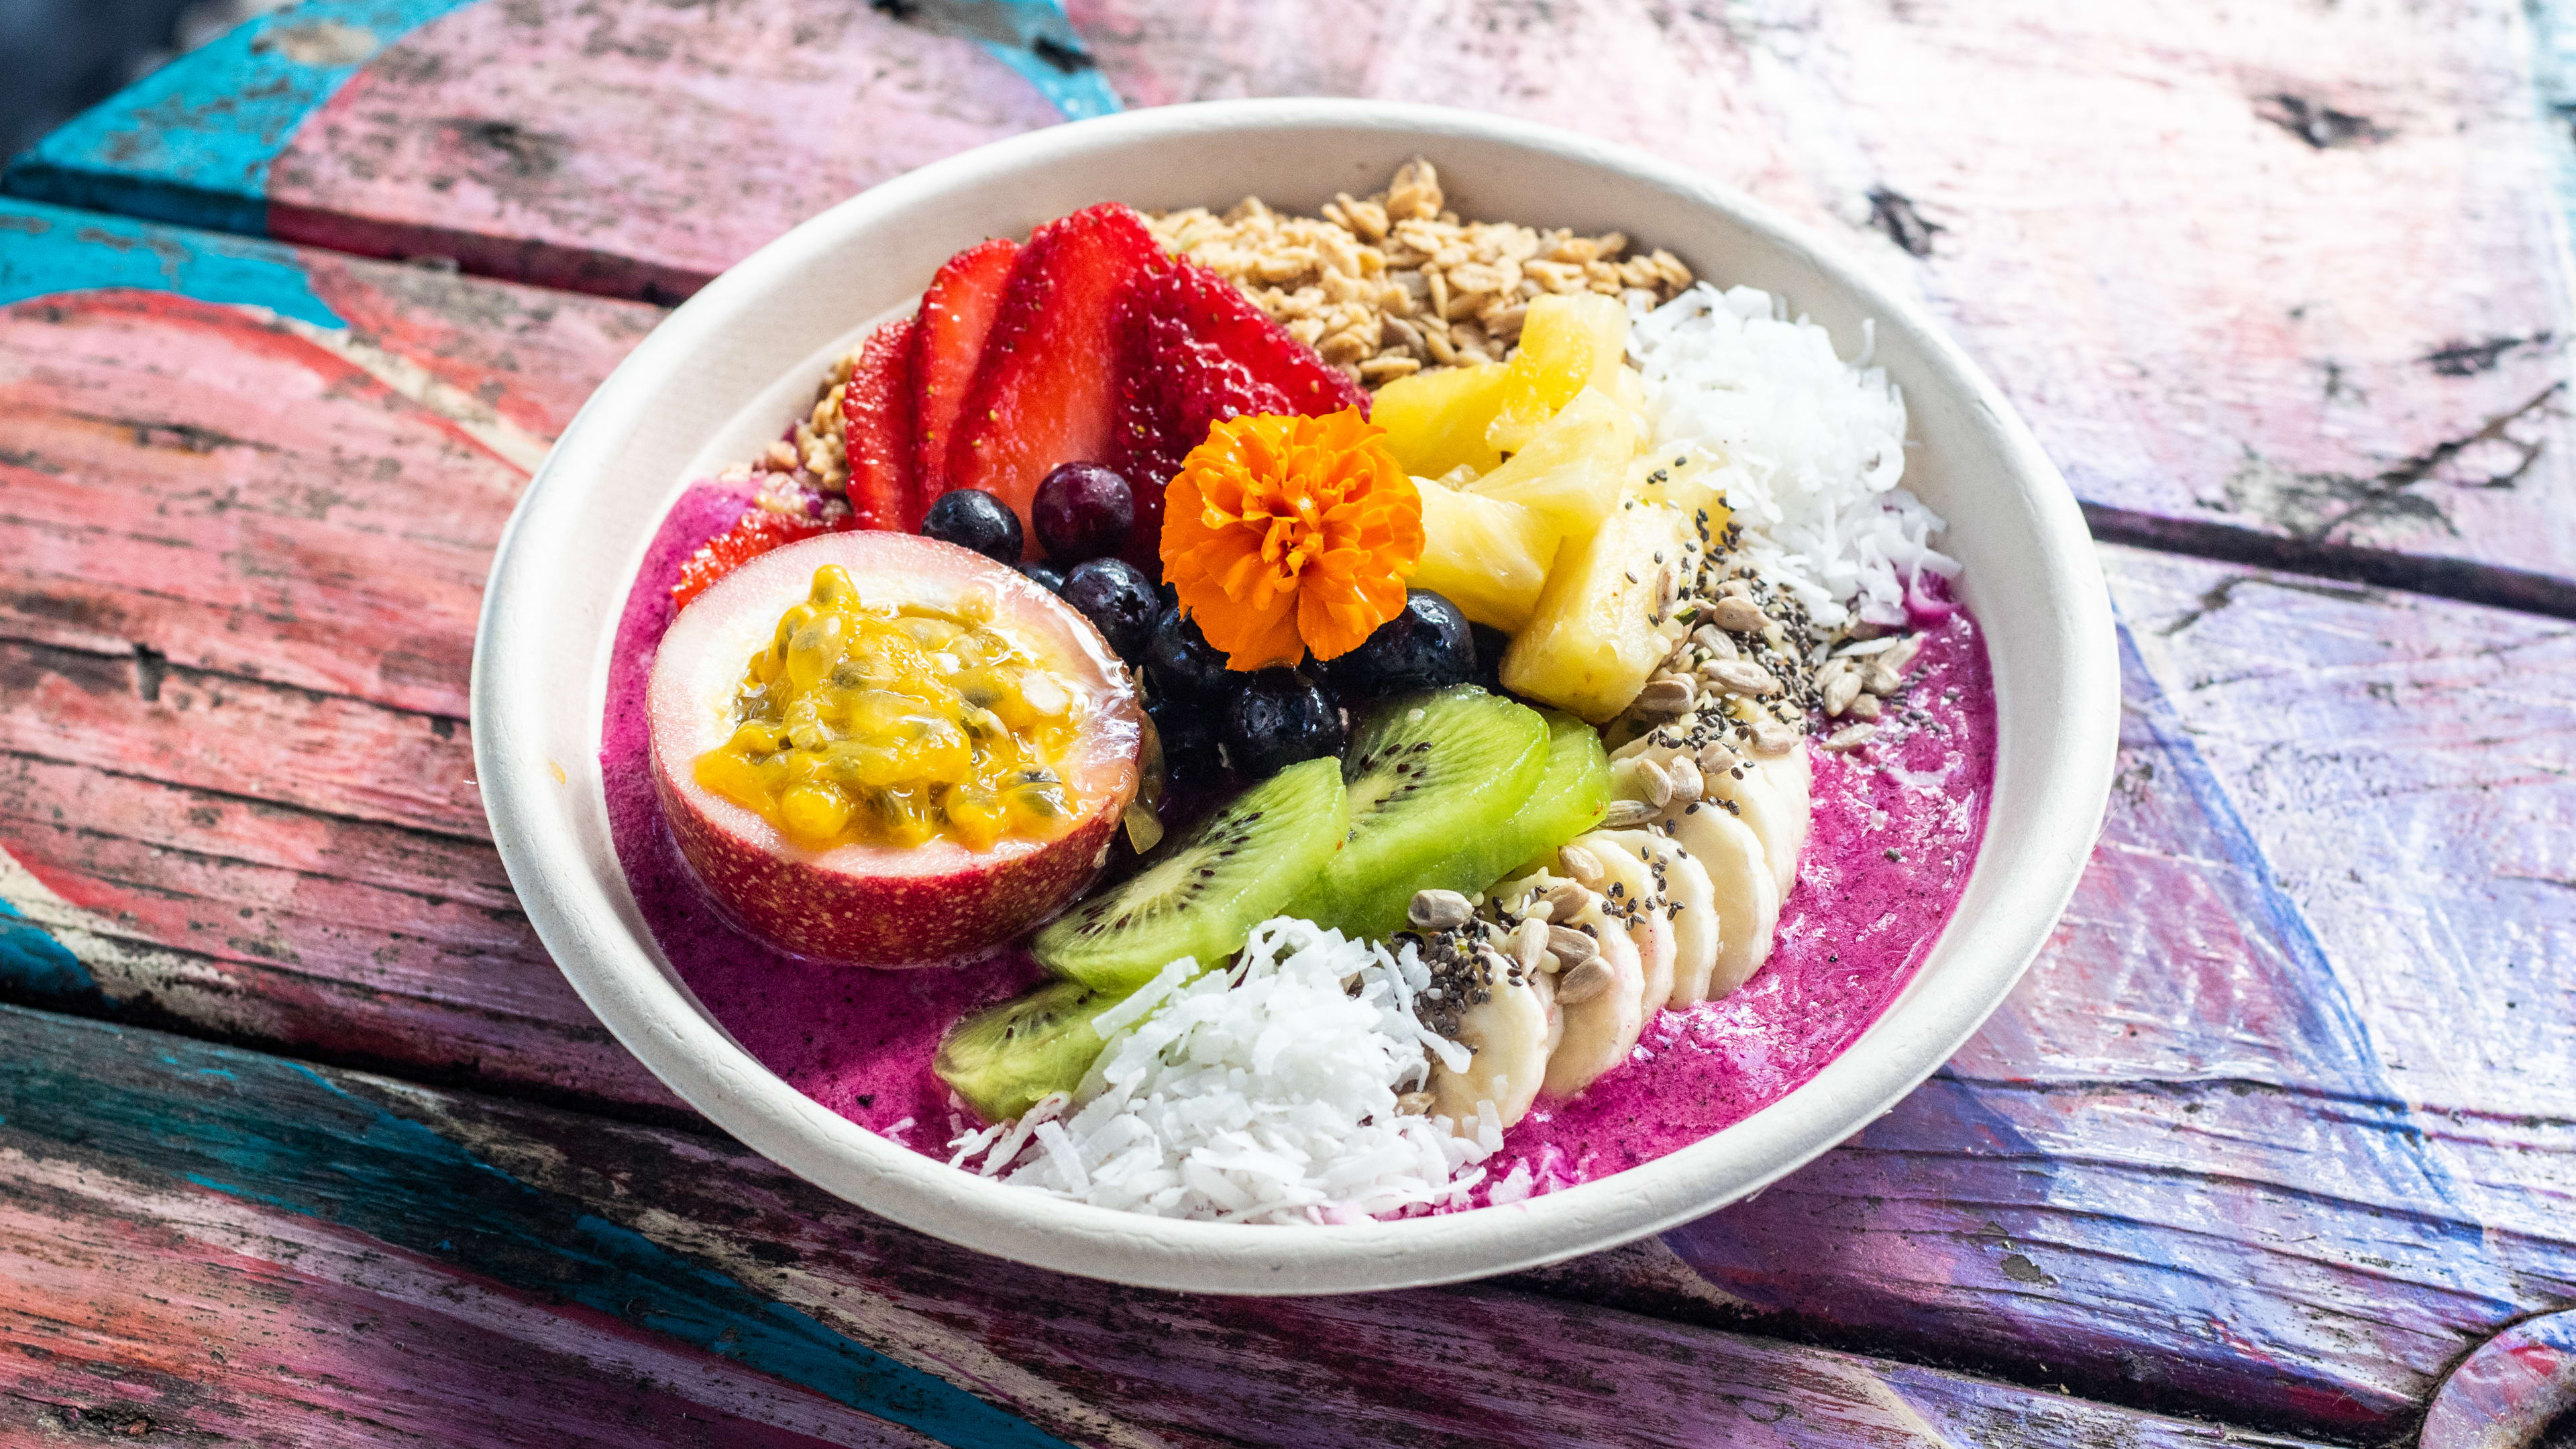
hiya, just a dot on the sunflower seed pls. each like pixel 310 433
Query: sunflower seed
pixel 1879 679
pixel 1438 910
pixel 1714 640
pixel 1851 737
pixel 1840 691
pixel 1865 707
pixel 1666 699
pixel 1770 737
pixel 1529 945
pixel 1737 614
pixel 1570 947
pixel 1717 757
pixel 1583 866
pixel 1580 984
pixel 1737 676
pixel 1687 784
pixel 1902 656
pixel 1566 900
pixel 1626 815
pixel 1648 779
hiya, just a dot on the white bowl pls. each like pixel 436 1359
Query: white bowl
pixel 727 370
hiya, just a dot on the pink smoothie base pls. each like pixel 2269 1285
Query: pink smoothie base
pixel 1893 838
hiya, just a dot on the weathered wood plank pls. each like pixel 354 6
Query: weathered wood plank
pixel 548 115
pixel 2284 1119
pixel 2227 1192
pixel 2130 1202
pixel 219 1241
pixel 247 496
pixel 2318 319
pixel 2281 280
pixel 267 463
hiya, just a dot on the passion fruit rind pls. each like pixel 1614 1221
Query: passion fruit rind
pixel 776 897
pixel 871 903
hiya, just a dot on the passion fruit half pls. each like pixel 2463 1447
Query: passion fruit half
pixel 880 749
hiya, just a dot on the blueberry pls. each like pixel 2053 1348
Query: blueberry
pixel 1182 661
pixel 1427 644
pixel 1277 717
pixel 1118 600
pixel 1083 510
pixel 1490 644
pixel 1044 574
pixel 1188 731
pixel 972 518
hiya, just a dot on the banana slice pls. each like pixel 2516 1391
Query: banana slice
pixel 1512 1033
pixel 1647 928
pixel 1600 1032
pixel 1695 927
pixel 1771 798
pixel 1744 893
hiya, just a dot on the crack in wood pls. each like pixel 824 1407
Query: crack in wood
pixel 2322 126
pixel 1894 213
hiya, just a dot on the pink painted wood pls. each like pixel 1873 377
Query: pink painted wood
pixel 2285 286
pixel 220 1243
pixel 633 149
pixel 2295 272
pixel 250 827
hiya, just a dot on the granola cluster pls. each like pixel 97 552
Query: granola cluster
pixel 1394 283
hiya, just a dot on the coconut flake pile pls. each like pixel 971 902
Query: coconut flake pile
pixel 1263 1094
pixel 1809 448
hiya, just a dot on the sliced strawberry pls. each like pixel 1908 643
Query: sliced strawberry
pixel 955 314
pixel 877 430
pixel 757 533
pixel 1193 350
pixel 1043 393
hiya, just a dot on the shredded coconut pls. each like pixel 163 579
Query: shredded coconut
pixel 1265 1093
pixel 1809 448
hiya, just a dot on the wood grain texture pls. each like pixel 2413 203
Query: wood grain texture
pixel 2280 1120
pixel 2260 1182
pixel 2515 1392
pixel 632 148
pixel 247 497
pixel 220 1242
pixel 2290 272
pixel 2229 1194
pixel 2280 284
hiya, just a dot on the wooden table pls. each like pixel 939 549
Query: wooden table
pixel 304 1141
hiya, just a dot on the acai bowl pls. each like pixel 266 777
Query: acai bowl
pixel 1568 714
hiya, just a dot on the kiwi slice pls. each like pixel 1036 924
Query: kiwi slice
pixel 1202 895
pixel 1432 777
pixel 1003 1058
pixel 1573 790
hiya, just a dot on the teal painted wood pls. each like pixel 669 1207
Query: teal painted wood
pixel 258 826
pixel 142 1171
pixel 200 141
pixel 47 250
pixel 193 141
pixel 249 496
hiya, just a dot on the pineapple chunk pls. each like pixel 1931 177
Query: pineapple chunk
pixel 1597 634
pixel 1567 343
pixel 1573 468
pixel 1685 477
pixel 1488 556
pixel 1436 421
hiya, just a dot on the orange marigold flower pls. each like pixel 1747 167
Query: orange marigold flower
pixel 1289 535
